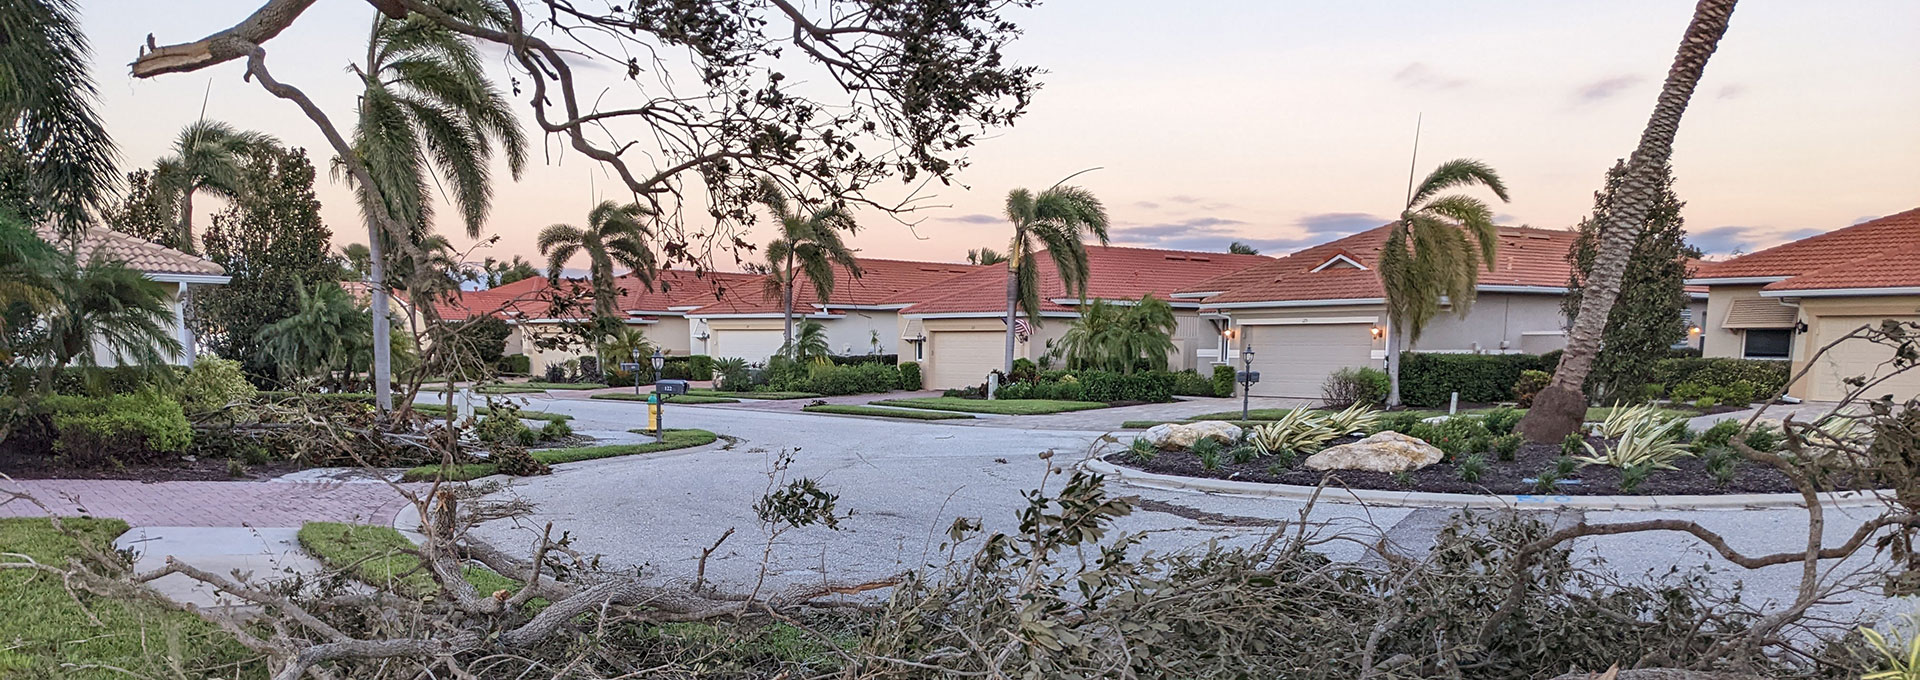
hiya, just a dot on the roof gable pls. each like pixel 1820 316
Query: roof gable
pixel 1343 269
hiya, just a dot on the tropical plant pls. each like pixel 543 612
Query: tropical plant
pixel 1299 431
pixel 1058 221
pixel 106 308
pixel 1899 659
pixel 731 373
pixel 1507 445
pixel 809 244
pixel 1111 337
pixel 1143 451
pixel 626 343
pixel 27 284
pixel 810 345
pixel 1436 250
pixel 1209 451
pixel 615 234
pixel 985 256
pixel 1356 418
pixel 1645 321
pixel 1644 443
pixel 208 156
pixel 325 334
pixel 1471 467
pixel 1561 407
pixel 47 110
pixel 496 273
pixel 1645 417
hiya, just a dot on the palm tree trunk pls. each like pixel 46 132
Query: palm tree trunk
pixel 1560 408
pixel 186 220
pixel 788 316
pixel 1013 294
pixel 382 342
pixel 1393 365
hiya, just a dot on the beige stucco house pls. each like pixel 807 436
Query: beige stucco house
pixel 862 316
pixel 659 311
pixel 1323 308
pixel 1787 302
pixel 957 330
pixel 178 272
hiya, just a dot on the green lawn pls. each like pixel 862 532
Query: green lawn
pixel 538 385
pixel 41 628
pixel 440 410
pixel 673 399
pixel 1011 407
pixel 857 410
pixel 676 439
pixel 378 556
pixel 753 395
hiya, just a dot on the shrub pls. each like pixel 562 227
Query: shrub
pixel 1768 377
pixel 1632 476
pixel 1471 468
pixel 213 384
pixel 910 376
pixel 1506 445
pixel 1427 379
pixel 1209 451
pixel 1191 384
pixel 1223 376
pixel 1142 450
pixel 1402 422
pixel 1573 445
pixel 1741 393
pixel 502 424
pixel 1717 436
pixel 555 429
pixel 1764 437
pixel 732 374
pixel 513 459
pixel 131 428
pixel 1355 385
pixel 1500 421
pixel 1243 454
pixel 1529 385
pixel 1687 392
pixel 843 379
pixel 1024 370
pixel 1015 390
pixel 699 367
pixel 1458 436
pixel 1109 386
pixel 516 364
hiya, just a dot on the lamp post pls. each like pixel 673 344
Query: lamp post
pixel 635 352
pixel 1246 380
pixel 660 421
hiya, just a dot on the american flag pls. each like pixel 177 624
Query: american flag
pixel 1020 326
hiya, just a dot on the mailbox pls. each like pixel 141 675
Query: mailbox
pixel 1248 377
pixel 670 387
pixel 629 366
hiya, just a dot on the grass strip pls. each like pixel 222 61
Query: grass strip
pixel 379 556
pixel 441 410
pixel 1010 407
pixel 675 439
pixel 754 395
pixel 45 634
pixel 673 399
pixel 858 410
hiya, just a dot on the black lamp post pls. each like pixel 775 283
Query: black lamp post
pixel 635 352
pixel 1246 380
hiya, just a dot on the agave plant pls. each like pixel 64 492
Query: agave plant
pixel 1625 418
pixel 1899 659
pixel 1300 431
pixel 1647 443
pixel 1356 418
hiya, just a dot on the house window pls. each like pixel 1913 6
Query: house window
pixel 1768 343
pixel 919 350
pixel 1686 335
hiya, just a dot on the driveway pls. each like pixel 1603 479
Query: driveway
pixel 904 483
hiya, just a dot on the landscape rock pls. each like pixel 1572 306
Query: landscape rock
pixel 1174 436
pixel 1386 451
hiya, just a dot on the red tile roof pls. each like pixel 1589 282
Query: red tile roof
pixel 1877 253
pixel 1527 257
pixel 1116 274
pixel 676 288
pixel 138 254
pixel 881 282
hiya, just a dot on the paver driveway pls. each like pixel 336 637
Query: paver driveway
pixel 905 482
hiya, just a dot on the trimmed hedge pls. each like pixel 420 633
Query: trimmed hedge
pixel 1427 379
pixel 1223 380
pixel 910 376
pixel 516 364
pixel 128 428
pixel 1768 377
pixel 1191 384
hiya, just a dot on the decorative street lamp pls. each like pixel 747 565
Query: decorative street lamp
pixel 659 418
pixel 636 370
pixel 1247 379
pixel 659 362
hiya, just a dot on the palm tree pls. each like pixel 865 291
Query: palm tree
pixel 1238 248
pixel 27 284
pixel 810 345
pixel 208 156
pixel 1436 250
pixel 1561 407
pixel 427 109
pixel 105 304
pixel 615 235
pixel 1057 221
pixel 985 256
pixel 1115 338
pixel 47 110
pixel 810 244
pixel 326 333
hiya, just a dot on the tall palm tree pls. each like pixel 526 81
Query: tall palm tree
pixel 208 156
pixel 1057 220
pixel 427 111
pixel 1561 407
pixel 47 110
pixel 27 283
pixel 615 235
pixel 1436 250
pixel 809 243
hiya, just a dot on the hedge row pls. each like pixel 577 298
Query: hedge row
pixel 1767 377
pixel 1427 379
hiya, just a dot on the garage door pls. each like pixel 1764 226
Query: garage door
pixel 754 346
pixel 1856 358
pixel 962 358
pixel 1293 360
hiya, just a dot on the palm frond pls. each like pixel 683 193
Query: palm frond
pixel 1459 172
pixel 47 103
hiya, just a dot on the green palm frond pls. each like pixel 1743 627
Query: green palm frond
pixel 1438 246
pixel 1460 172
pixel 1058 220
pixel 47 101
pixel 809 243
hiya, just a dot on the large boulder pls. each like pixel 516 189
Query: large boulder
pixel 1385 451
pixel 1176 436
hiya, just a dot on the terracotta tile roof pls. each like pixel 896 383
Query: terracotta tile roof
pixel 1117 273
pixel 1899 268
pixel 1847 247
pixel 526 298
pixel 1527 257
pixel 137 253
pixel 881 282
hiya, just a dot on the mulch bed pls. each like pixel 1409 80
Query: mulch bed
pixel 41 466
pixel 1501 478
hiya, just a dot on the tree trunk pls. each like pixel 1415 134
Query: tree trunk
pixel 382 341
pixel 1393 365
pixel 1561 408
pixel 788 315
pixel 186 220
pixel 1013 303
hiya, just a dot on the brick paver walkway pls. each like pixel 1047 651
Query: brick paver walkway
pixel 209 504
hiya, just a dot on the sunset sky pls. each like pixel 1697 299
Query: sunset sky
pixel 1276 123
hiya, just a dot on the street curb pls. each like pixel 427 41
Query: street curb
pixel 1424 499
